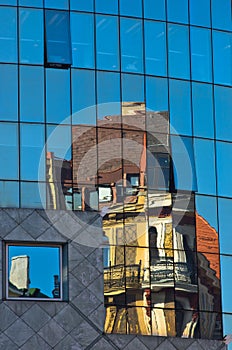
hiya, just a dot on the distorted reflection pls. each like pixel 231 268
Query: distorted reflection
pixel 34 272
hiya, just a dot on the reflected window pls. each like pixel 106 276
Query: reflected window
pixel 58 39
pixel 34 272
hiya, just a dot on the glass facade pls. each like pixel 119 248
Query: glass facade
pixel 123 108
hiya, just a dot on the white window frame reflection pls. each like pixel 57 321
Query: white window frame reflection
pixel 35 245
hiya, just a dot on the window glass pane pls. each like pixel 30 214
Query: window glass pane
pixel 58 96
pixel 132 88
pixel 31 41
pixel 83 97
pixel 31 3
pixel 81 5
pixel 224 218
pixel 108 86
pixel 156 94
pixel 31 152
pixel 154 9
pixel 178 51
pixel 227 325
pixel 155 48
pixel 131 45
pixel 202 102
pixel 177 11
pixel 131 8
pixel 205 166
pixel 9 151
pixel 57 4
pixel 222 56
pixel 224 169
pixel 107 42
pixel 221 14
pixel 200 12
pixel 31 94
pixel 33 195
pixel 58 38
pixel 8 2
pixel 9 194
pixel 59 141
pixel 183 163
pixel 226 267
pixel 201 54
pixel 34 272
pixel 180 107
pixel 82 34
pixel 223 107
pixel 206 207
pixel 9 92
pixel 106 6
pixel 8 35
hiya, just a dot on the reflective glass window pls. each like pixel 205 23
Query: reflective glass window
pixel 57 96
pixel 206 208
pixel 180 107
pixel 31 41
pixel 226 267
pixel 57 4
pixel 201 54
pixel 205 166
pixel 177 11
pixel 31 152
pixel 221 14
pixel 178 51
pixel 83 101
pixel 154 9
pixel 132 88
pixel 131 45
pixel 81 5
pixel 131 8
pixel 200 12
pixel 202 103
pixel 9 92
pixel 33 195
pixel 59 141
pixel 224 218
pixel 9 151
pixel 9 194
pixel 106 6
pixel 58 39
pixel 227 325
pixel 82 34
pixel 183 163
pixel 31 3
pixel 8 35
pixel 155 48
pixel 108 94
pixel 31 94
pixel 224 170
pixel 222 56
pixel 107 42
pixel 156 94
pixel 8 2
pixel 223 107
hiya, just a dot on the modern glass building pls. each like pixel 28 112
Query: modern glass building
pixel 115 177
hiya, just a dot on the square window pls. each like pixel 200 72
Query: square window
pixel 35 271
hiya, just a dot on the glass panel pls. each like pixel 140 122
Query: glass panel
pixel 8 35
pixel 206 222
pixel 223 106
pixel 183 162
pixel 131 45
pixel 200 12
pixel 205 166
pixel 58 96
pixel 32 94
pixel 226 266
pixel 132 88
pixel 81 5
pixel 107 42
pixel 9 194
pixel 210 325
pixel 31 3
pixel 31 154
pixel 227 324
pixel 58 38
pixel 224 170
pixel 131 8
pixel 180 107
pixel 222 58
pixel 33 195
pixel 177 11
pixel 201 54
pixel 34 272
pixel 9 92
pixel 178 51
pixel 8 2
pixel 31 41
pixel 57 4
pixel 202 103
pixel 221 14
pixel 224 215
pixel 156 94
pixel 83 97
pixel 106 6
pixel 82 34
pixel 116 318
pixel 155 48
pixel 9 151
pixel 154 9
